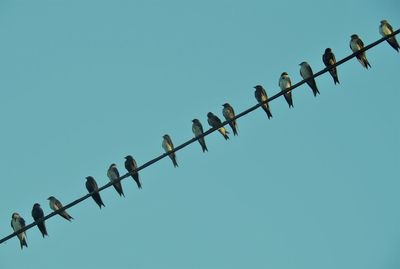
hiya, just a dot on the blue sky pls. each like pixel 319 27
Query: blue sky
pixel 84 83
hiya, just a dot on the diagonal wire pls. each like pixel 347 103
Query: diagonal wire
pixel 185 144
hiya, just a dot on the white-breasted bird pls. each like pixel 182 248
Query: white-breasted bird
pixel 197 129
pixel 386 29
pixel 356 44
pixel 17 223
pixel 228 114
pixel 285 83
pixel 215 122
pixel 306 72
pixel 261 96
pixel 113 175
pixel 55 205
pixel 168 146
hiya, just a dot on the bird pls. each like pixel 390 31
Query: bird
pixel 329 59
pixel 37 214
pixel 356 44
pixel 168 147
pixel 261 96
pixel 197 130
pixel 386 29
pixel 306 72
pixel 92 188
pixel 55 204
pixel 130 165
pixel 215 122
pixel 17 223
pixel 229 113
pixel 285 83
pixel 113 175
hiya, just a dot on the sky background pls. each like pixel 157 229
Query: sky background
pixel 84 83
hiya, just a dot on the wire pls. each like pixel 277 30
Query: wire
pixel 194 139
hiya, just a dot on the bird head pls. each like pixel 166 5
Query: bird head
pixel 354 36
pixel 50 198
pixel 328 50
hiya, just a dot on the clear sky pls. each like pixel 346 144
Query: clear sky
pixel 84 83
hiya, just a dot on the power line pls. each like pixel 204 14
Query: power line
pixel 194 139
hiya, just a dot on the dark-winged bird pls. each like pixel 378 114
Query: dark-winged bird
pixel 130 165
pixel 229 113
pixel 91 186
pixel 386 29
pixel 329 59
pixel 306 72
pixel 215 122
pixel 261 96
pixel 55 205
pixel 37 214
pixel 197 130
pixel 168 146
pixel 285 83
pixel 17 223
pixel 113 175
pixel 356 44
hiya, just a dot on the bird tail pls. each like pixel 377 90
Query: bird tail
pixel 266 109
pixel 139 184
pixel 393 42
pixel 316 92
pixel 336 79
pixel 234 131
pixel 174 161
pixel 23 243
pixel 204 147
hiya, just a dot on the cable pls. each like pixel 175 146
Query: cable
pixel 185 144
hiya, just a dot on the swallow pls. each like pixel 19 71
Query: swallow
pixel 306 72
pixel 55 204
pixel 215 122
pixel 197 130
pixel 113 174
pixel 37 214
pixel 386 29
pixel 92 188
pixel 169 146
pixel 17 223
pixel 229 113
pixel 130 165
pixel 356 44
pixel 329 59
pixel 261 96
pixel 285 83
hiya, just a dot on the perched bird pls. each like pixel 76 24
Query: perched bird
pixel 37 214
pixel 197 130
pixel 113 175
pixel 215 122
pixel 356 44
pixel 306 72
pixel 229 113
pixel 386 29
pixel 17 223
pixel 329 59
pixel 56 205
pixel 130 165
pixel 285 83
pixel 92 187
pixel 169 146
pixel 261 96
